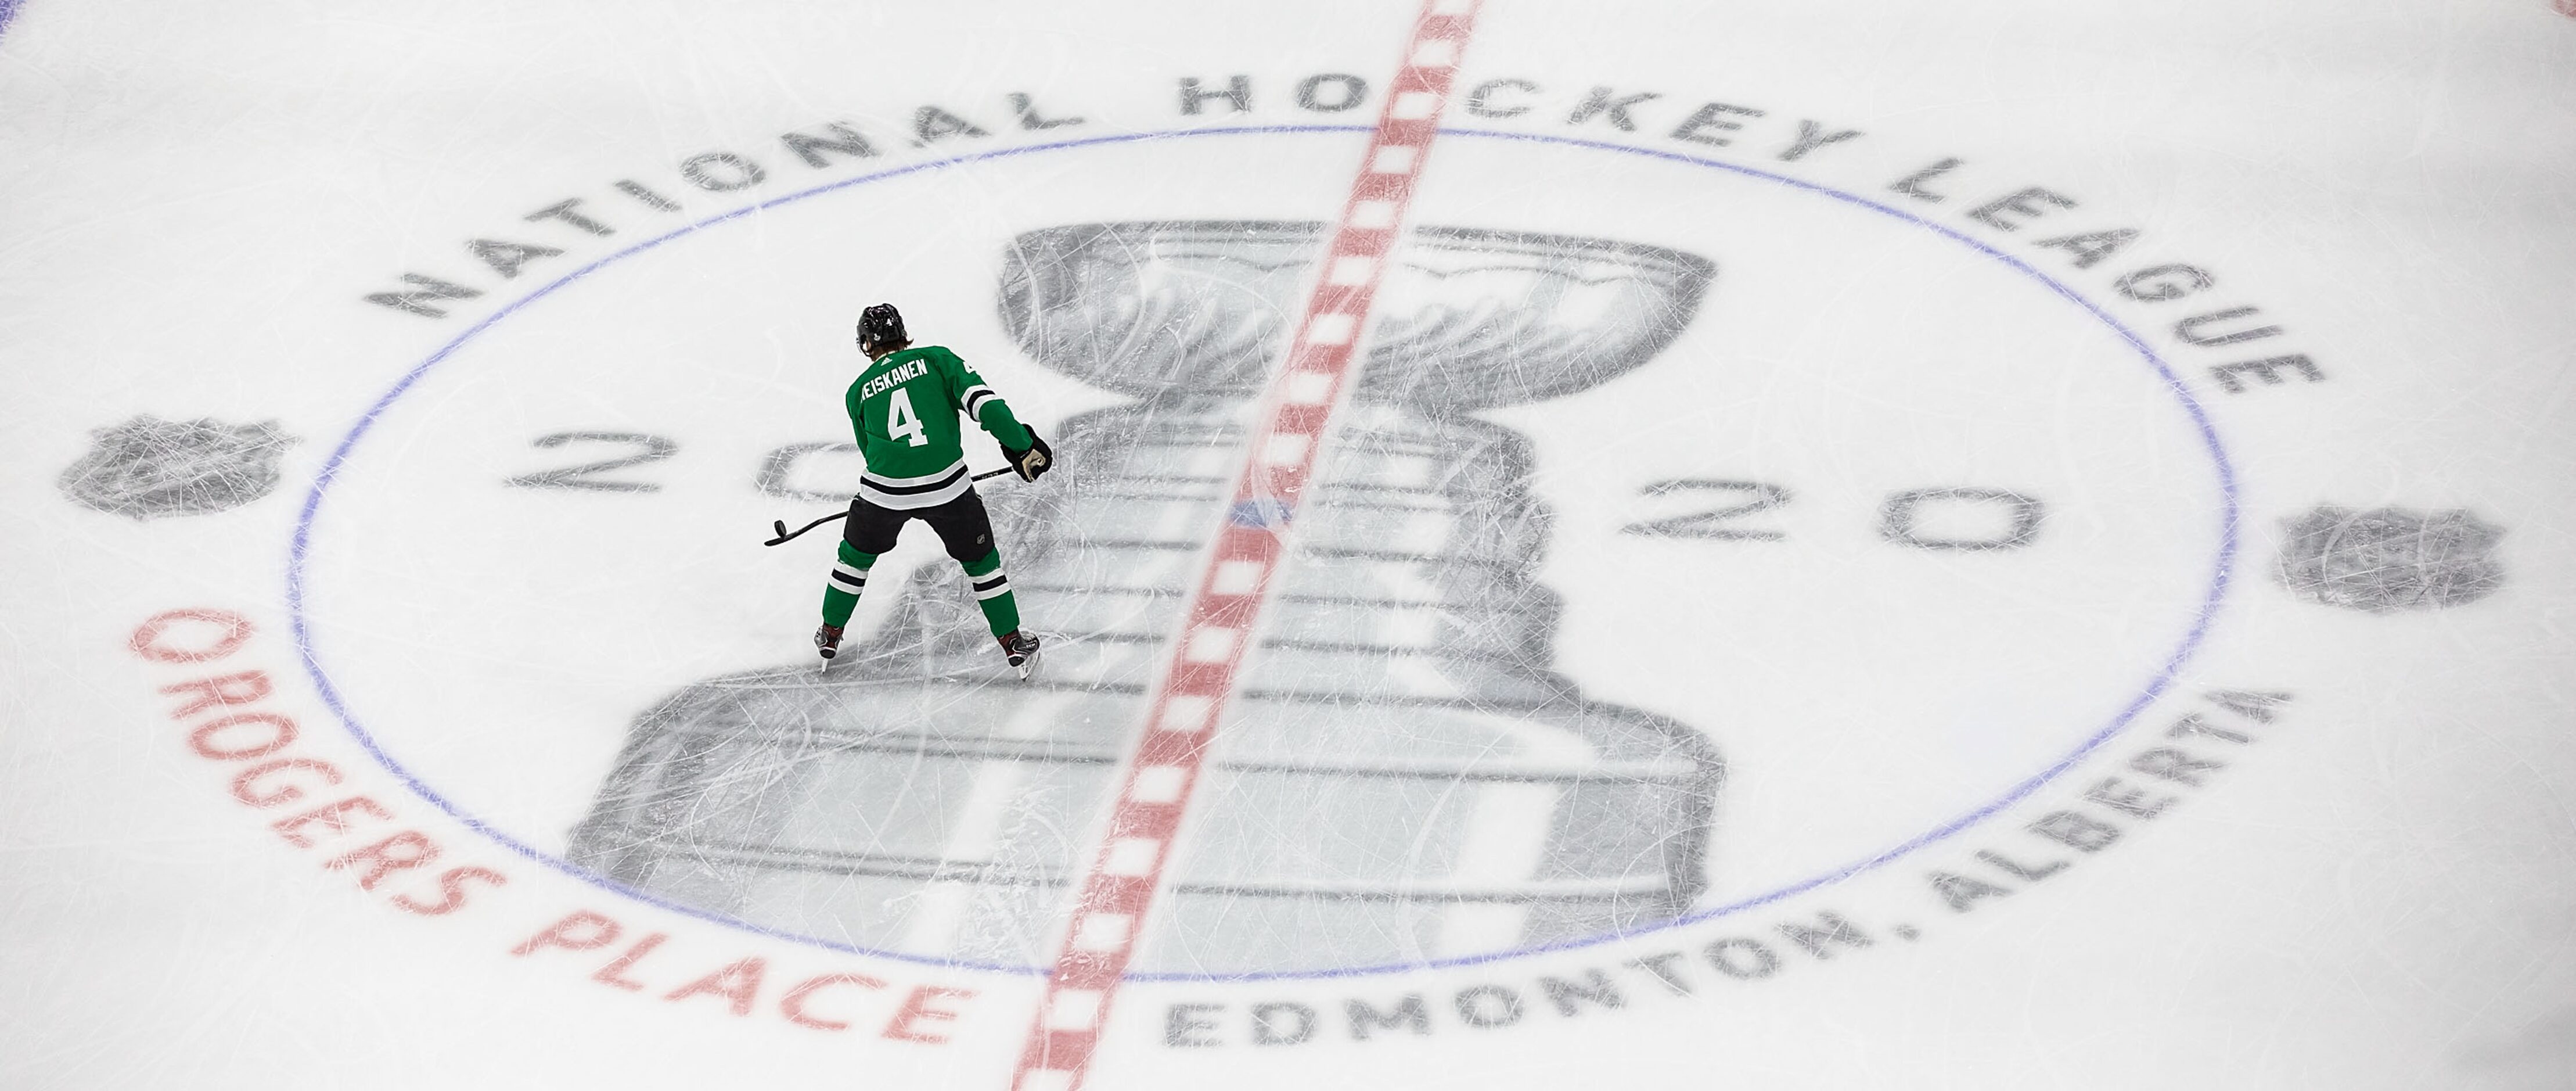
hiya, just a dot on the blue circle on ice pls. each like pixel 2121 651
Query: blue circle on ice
pixel 1261 514
pixel 2154 687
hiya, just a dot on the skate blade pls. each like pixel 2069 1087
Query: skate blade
pixel 1030 666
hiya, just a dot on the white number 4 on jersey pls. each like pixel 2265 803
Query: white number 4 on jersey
pixel 901 421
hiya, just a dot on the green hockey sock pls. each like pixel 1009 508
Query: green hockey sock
pixel 992 589
pixel 849 577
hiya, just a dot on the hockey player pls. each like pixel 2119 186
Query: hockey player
pixel 904 410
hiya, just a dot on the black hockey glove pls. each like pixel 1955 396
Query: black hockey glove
pixel 1032 460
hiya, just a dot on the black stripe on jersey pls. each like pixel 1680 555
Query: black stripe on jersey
pixel 945 480
pixel 976 398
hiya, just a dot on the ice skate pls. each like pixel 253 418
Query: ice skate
pixel 827 642
pixel 1022 650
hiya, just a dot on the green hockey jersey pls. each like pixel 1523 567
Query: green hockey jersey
pixel 904 410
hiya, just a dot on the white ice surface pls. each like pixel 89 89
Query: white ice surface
pixel 2378 892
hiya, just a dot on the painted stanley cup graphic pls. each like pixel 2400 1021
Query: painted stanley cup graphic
pixel 1401 775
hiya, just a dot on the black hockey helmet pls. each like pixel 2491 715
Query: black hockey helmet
pixel 881 325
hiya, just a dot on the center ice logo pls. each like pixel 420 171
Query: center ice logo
pixel 1403 775
pixel 1656 567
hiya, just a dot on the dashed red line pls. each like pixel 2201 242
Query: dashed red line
pixel 1117 892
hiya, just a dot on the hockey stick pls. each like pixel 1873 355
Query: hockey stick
pixel 779 527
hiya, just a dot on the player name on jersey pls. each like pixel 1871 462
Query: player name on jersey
pixel 900 373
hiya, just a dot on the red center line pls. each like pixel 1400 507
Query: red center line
pixel 1119 889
